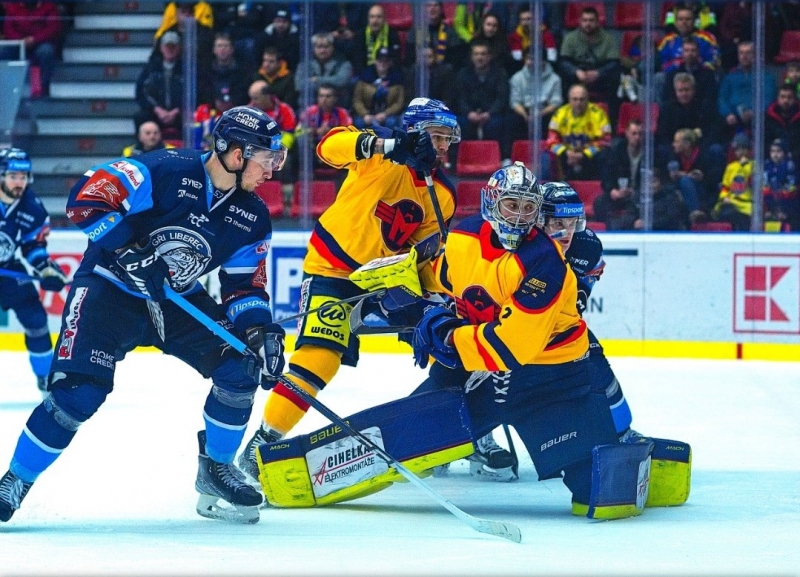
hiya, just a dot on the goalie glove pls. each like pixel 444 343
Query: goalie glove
pixel 433 337
pixel 387 272
pixel 51 276
pixel 267 341
pixel 143 270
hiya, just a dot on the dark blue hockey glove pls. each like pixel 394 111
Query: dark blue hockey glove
pixel 431 337
pixel 414 149
pixel 267 341
pixel 144 270
pixel 51 276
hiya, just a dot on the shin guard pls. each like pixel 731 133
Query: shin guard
pixel 670 473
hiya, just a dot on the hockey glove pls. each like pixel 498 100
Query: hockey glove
pixel 399 270
pixel 433 337
pixel 51 276
pixel 267 341
pixel 144 270
pixel 414 149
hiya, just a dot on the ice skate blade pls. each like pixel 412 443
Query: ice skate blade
pixel 504 475
pixel 213 507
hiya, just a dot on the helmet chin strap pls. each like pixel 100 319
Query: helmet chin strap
pixel 237 173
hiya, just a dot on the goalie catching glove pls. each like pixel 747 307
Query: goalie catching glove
pixel 51 276
pixel 267 341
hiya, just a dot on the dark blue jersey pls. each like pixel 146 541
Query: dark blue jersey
pixel 24 224
pixel 585 256
pixel 168 197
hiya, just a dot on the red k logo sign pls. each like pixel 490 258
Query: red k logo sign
pixel 766 289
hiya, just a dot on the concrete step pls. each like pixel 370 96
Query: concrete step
pixel 94 108
pixel 78 144
pixel 110 90
pixel 87 126
pixel 109 38
pixel 65 165
pixel 118 21
pixel 97 72
pixel 107 55
pixel 116 8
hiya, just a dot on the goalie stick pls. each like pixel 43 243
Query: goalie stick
pixel 505 530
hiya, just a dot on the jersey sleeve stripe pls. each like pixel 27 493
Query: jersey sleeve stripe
pixel 569 336
pixel 505 354
pixel 490 363
pixel 324 243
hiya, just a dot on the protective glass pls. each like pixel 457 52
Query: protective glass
pixel 269 159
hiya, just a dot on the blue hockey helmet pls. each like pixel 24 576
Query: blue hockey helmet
pixel 559 200
pixel 511 202
pixel 422 113
pixel 255 131
pixel 14 160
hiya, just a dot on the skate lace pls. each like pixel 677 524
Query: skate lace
pixel 227 476
pixel 488 445
pixel 12 490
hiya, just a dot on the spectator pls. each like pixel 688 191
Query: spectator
pixel 671 47
pixel 519 41
pixel 578 134
pixel 618 206
pixel 482 99
pixel 319 118
pixel 325 68
pixel 173 20
pixel 343 21
pixel 284 37
pixel 782 120
pixel 669 210
pixel 38 24
pixel 491 32
pixel 781 201
pixel 735 101
pixel 695 172
pixel 447 46
pixel 590 56
pixel 159 88
pixel 275 72
pixel 687 110
pixel 148 138
pixel 374 37
pixel 226 84
pixel 703 17
pixel 441 79
pixel 244 23
pixel 791 77
pixel 705 79
pixel 468 19
pixel 735 204
pixel 735 26
pixel 262 96
pixel 379 95
pixel 526 99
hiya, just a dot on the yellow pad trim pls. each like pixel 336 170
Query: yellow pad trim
pixel 606 513
pixel 387 272
pixel 670 483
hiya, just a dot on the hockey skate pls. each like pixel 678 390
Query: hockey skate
pixel 12 492
pixel 223 492
pixel 247 460
pixel 492 461
pixel 631 436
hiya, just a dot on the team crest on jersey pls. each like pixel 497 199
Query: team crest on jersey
pixel 477 306
pixel 104 187
pixel 259 278
pixel 7 247
pixel 398 222
pixel 187 253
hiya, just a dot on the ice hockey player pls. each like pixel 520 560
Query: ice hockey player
pixel 25 224
pixel 168 215
pixel 563 217
pixel 383 208
pixel 515 317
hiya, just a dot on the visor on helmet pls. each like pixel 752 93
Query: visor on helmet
pixel 268 159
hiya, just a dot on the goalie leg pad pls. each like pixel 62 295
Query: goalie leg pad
pixel 328 466
pixel 620 481
pixel 670 473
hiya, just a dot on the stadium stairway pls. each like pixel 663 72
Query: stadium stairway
pixel 88 116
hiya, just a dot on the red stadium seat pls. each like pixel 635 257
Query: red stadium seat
pixel 712 227
pixel 270 193
pixel 323 193
pixel 468 197
pixel 573 16
pixel 477 157
pixel 521 150
pixel 631 110
pixel 629 15
pixel 790 47
pixel 596 225
pixel 399 15
pixel 587 190
pixel 449 12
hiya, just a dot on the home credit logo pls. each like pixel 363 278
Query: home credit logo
pixel 766 293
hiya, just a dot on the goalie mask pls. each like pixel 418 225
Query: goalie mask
pixel 562 213
pixel 510 202
pixel 15 171
pixel 424 113
pixel 255 132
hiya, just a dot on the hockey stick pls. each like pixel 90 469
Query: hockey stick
pixel 512 450
pixel 357 298
pixel 436 208
pixel 22 276
pixel 508 531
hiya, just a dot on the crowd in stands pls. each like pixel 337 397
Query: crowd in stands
pixel 363 70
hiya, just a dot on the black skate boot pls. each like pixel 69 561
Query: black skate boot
pixel 12 492
pixel 492 461
pixel 223 493
pixel 247 460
